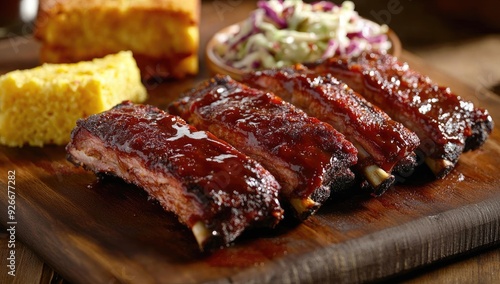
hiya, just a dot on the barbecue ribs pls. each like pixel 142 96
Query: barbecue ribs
pixel 382 143
pixel 214 189
pixel 446 124
pixel 308 157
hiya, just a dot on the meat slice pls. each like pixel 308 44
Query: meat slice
pixel 446 124
pixel 306 156
pixel 213 189
pixel 382 143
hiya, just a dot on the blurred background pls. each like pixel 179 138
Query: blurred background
pixel 15 16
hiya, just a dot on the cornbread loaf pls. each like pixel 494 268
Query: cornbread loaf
pixel 41 105
pixel 162 34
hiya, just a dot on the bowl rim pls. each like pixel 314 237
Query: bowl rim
pixel 217 66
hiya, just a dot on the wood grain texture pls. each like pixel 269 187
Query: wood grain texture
pixel 107 231
pixel 483 268
pixel 30 266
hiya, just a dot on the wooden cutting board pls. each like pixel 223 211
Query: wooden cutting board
pixel 105 231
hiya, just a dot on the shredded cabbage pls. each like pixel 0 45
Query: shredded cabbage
pixel 281 33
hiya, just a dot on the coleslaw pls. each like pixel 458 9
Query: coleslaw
pixel 281 33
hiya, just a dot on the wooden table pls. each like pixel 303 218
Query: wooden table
pixel 480 266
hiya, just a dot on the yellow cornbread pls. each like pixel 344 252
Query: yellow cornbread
pixel 41 105
pixel 162 34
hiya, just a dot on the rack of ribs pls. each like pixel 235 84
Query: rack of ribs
pixel 382 143
pixel 308 157
pixel 446 124
pixel 213 189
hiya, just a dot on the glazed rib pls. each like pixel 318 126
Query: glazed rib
pixel 382 143
pixel 213 189
pixel 446 124
pixel 305 155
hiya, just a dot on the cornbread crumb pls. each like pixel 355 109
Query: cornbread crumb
pixel 40 106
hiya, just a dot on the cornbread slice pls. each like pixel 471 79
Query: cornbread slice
pixel 41 105
pixel 162 34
